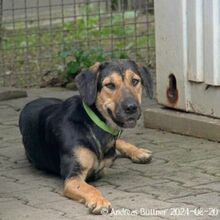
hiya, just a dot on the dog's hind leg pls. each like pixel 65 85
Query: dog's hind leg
pixel 137 155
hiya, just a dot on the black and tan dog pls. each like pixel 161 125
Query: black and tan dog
pixel 78 137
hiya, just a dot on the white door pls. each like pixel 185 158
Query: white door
pixel 188 55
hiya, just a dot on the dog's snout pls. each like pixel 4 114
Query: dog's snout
pixel 130 107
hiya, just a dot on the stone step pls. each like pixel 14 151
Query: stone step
pixel 158 117
pixel 11 93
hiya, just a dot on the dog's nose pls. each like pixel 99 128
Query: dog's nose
pixel 130 108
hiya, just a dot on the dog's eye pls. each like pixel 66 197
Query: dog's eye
pixel 135 82
pixel 110 86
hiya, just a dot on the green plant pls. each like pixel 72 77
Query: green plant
pixel 115 35
pixel 80 58
pixel 90 28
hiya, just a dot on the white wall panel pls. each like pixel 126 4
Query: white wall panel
pixel 188 47
pixel 212 42
pixel 171 53
pixel 195 40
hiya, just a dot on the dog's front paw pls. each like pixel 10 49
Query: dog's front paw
pixel 141 155
pixel 97 204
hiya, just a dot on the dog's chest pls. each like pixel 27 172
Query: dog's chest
pixel 108 148
pixel 99 167
pixel 106 161
pixel 108 157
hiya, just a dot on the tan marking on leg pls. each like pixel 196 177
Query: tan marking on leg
pixel 87 160
pixel 77 189
pixel 137 155
pixel 109 161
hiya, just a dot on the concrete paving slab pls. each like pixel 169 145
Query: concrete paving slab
pixel 184 174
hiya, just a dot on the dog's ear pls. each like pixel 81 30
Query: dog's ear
pixel 147 80
pixel 86 82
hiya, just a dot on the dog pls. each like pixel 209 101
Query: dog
pixel 77 138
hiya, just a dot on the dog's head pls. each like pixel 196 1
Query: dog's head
pixel 115 88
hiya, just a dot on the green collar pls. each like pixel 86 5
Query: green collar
pixel 99 122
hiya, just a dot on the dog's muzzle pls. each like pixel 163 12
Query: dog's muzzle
pixel 127 113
